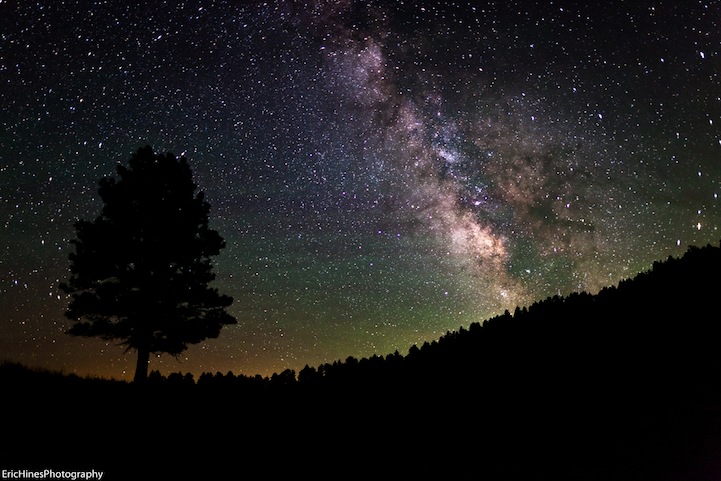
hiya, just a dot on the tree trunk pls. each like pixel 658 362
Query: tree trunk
pixel 141 370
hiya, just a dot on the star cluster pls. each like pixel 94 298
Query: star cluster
pixel 382 172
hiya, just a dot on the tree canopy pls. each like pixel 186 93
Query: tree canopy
pixel 141 270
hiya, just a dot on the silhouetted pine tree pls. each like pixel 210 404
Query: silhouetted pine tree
pixel 140 272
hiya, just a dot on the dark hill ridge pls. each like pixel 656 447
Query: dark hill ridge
pixel 662 325
pixel 619 385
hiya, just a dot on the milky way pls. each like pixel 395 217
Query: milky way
pixel 381 173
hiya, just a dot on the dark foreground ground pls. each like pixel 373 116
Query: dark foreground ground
pixel 446 432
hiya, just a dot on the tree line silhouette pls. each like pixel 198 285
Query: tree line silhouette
pixel 658 328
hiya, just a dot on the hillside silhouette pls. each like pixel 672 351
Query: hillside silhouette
pixel 619 385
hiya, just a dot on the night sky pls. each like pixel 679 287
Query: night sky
pixel 382 173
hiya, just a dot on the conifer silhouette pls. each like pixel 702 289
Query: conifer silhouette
pixel 140 272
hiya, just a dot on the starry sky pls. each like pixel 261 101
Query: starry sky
pixel 382 172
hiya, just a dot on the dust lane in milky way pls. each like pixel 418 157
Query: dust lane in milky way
pixel 381 173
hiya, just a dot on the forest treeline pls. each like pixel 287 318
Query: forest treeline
pixel 661 325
